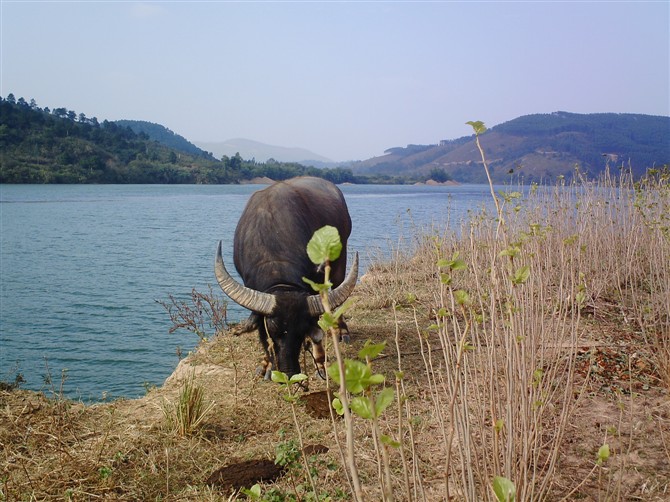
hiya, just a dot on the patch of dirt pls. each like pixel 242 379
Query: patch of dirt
pixel 317 404
pixel 315 449
pixel 635 426
pixel 616 368
pixel 238 475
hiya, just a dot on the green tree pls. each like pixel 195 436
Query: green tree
pixel 439 175
pixel 235 162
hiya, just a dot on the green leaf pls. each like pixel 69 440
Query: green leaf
pixel 279 377
pixel 316 286
pixel 458 265
pixel 343 308
pixel 509 196
pixel 325 245
pixel 376 379
pixel 337 406
pixel 298 377
pixel 383 400
pixel 327 321
pixel 454 264
pixel 477 125
pixel 512 252
pixel 356 376
pixel 371 350
pixel 254 493
pixel 521 275
pixel 603 453
pixel 570 240
pixel 287 453
pixel 362 407
pixel 504 489
pixel 462 297
pixel 581 298
pixel 389 441
pixel 334 372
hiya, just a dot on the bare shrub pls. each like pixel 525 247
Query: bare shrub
pixel 508 293
pixel 205 312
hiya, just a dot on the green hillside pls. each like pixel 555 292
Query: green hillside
pixel 40 145
pixel 163 135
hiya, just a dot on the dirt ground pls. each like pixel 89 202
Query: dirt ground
pixel 626 405
pixel 54 449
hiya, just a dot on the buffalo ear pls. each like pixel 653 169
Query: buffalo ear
pixel 247 326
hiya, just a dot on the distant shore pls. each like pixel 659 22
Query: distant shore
pixel 268 181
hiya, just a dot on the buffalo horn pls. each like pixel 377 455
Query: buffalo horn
pixel 337 296
pixel 263 303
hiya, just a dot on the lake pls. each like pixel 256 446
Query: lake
pixel 81 268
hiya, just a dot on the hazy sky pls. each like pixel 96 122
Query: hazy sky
pixel 346 80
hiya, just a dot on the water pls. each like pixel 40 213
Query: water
pixel 81 268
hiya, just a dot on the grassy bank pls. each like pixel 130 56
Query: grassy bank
pixel 528 350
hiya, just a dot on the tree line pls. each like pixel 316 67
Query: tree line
pixel 42 145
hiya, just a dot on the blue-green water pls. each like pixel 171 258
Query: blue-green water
pixel 81 268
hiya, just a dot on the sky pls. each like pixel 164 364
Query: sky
pixel 344 79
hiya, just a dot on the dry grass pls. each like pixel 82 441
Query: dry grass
pixel 523 380
pixel 185 415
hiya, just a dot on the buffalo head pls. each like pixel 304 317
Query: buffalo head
pixel 285 316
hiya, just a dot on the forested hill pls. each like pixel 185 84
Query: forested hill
pixel 42 145
pixel 163 135
pixel 538 147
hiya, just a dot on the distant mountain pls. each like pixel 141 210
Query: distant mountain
pixel 249 149
pixel 537 147
pixel 163 135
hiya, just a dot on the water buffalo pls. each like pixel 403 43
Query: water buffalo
pixel 270 254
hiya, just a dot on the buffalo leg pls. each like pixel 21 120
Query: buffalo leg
pixel 318 352
pixel 319 358
pixel 267 364
pixel 265 369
